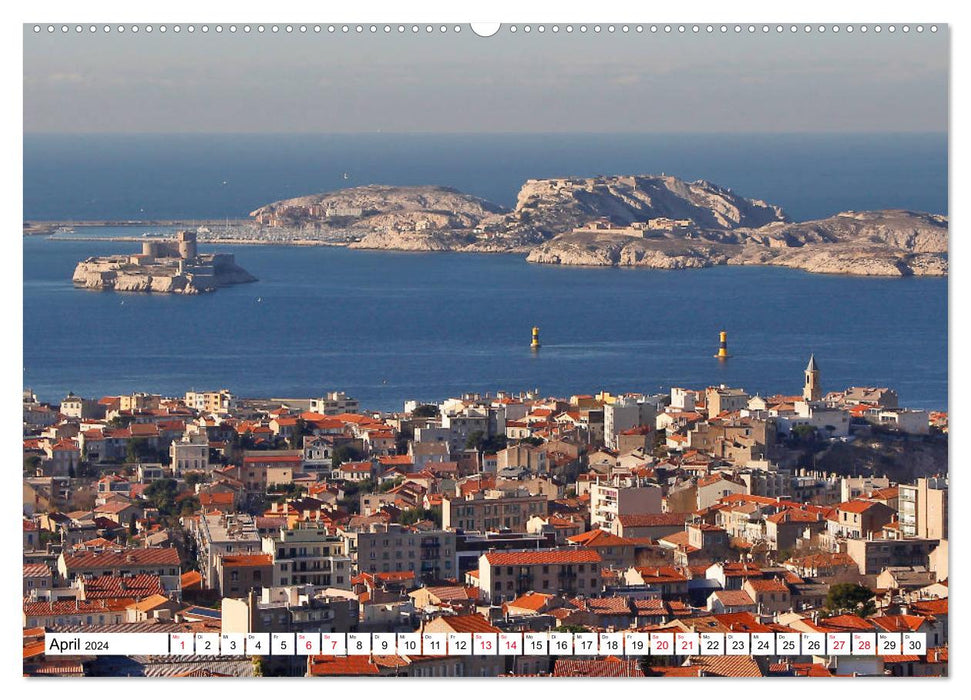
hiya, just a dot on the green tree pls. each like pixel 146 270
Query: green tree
pixel 138 450
pixel 121 421
pixel 188 506
pixel 474 440
pixel 31 464
pixel 300 429
pixel 161 494
pixel 414 515
pixel 345 453
pixel 494 444
pixel 132 525
pixel 804 433
pixel 193 478
pixel 850 598
pixel 388 485
pixel 425 411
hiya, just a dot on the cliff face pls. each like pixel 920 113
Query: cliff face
pixel 552 206
pixel 707 225
pixel 878 243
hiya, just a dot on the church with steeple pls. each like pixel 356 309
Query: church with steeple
pixel 811 390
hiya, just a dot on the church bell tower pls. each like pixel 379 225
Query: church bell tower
pixel 811 390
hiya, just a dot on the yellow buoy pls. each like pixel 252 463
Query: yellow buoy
pixel 723 346
pixel 535 344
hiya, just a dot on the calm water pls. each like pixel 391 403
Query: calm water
pixel 386 327
pixel 391 326
pixel 133 177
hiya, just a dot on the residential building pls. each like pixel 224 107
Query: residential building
pixel 308 555
pixel 874 555
pixel 218 534
pixel 190 453
pixel 492 509
pixel 608 502
pixel 237 574
pixel 503 576
pixel 923 508
pixel 381 547
pixel 334 403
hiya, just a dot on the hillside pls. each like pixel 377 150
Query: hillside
pixel 875 243
pixel 654 221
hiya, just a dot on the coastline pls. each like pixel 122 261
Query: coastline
pixel 520 251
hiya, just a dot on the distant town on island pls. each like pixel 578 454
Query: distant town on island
pixel 694 510
pixel 649 221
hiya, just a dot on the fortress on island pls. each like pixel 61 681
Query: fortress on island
pixel 167 266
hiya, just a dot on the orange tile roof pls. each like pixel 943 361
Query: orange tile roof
pixel 856 506
pixel 69 607
pixel 468 623
pixel 660 574
pixel 845 622
pixel 610 667
pixel 247 560
pixel 548 556
pixel 653 519
pixel 342 666
pixel 734 599
pixel 727 666
pixel 149 603
pixel 767 585
pixel 36 570
pixel 138 586
pixel 899 623
pixel 794 515
pixel 598 538
pixel 165 556
pixel 931 607
pixel 216 499
pixel 191 580
pixel 531 601
pixel 742 622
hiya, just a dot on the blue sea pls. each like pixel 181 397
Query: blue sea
pixel 388 326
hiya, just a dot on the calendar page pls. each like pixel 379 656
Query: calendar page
pixel 526 349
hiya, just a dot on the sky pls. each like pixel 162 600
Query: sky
pixel 523 83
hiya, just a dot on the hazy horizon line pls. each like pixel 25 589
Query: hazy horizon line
pixel 869 132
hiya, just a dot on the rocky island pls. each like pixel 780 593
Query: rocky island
pixel 163 266
pixel 653 221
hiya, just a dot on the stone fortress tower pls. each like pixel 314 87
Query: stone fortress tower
pixel 811 390
pixel 187 244
pixel 184 247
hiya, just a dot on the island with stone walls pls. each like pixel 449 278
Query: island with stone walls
pixel 165 266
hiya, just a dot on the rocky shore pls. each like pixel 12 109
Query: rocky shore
pixel 647 221
pixel 650 221
pixel 117 274
pixel 881 243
